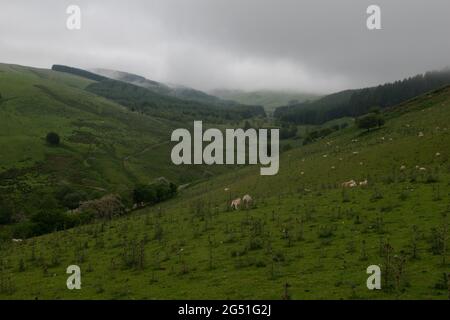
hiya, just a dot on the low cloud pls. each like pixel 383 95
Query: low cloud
pixel 311 45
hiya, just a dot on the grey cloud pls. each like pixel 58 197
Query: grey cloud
pixel 308 45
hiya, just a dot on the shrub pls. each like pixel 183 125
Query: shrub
pixel 106 207
pixel 370 121
pixel 5 212
pixel 47 221
pixel 155 192
pixel 52 139
pixel 72 200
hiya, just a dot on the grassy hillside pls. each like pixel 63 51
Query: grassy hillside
pixel 105 147
pixel 305 229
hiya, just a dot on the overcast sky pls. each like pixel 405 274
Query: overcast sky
pixel 306 45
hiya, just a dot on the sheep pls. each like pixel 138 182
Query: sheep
pixel 247 200
pixel 363 183
pixel 349 184
pixel 235 204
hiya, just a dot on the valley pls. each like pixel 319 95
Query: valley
pixel 305 237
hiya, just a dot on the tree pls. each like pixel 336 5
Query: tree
pixel 370 121
pixel 5 212
pixel 45 221
pixel 72 200
pixel 52 139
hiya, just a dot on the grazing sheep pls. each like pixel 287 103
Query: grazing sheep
pixel 247 200
pixel 349 184
pixel 438 154
pixel 422 169
pixel 363 183
pixel 235 204
pixel 402 168
pixel 421 134
pixel 17 240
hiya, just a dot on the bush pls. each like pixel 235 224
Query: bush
pixel 155 192
pixel 5 212
pixel 72 200
pixel 52 139
pixel 370 121
pixel 106 207
pixel 47 221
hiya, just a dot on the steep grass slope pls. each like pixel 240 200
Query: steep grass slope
pixel 305 230
pixel 105 147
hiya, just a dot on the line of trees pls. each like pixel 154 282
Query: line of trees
pixel 68 208
pixel 355 103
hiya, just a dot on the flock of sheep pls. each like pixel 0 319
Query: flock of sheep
pixel 246 201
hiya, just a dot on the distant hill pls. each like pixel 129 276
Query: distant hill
pixel 154 86
pixel 177 91
pixel 78 72
pixel 269 99
pixel 105 146
pixel 156 99
pixel 358 102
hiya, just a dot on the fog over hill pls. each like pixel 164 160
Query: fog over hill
pixel 312 46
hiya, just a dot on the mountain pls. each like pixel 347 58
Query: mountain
pixel 173 90
pixel 355 103
pixel 150 101
pixel 306 237
pixel 154 86
pixel 105 146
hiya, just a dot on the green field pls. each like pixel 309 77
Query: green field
pixel 305 230
pixel 105 147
